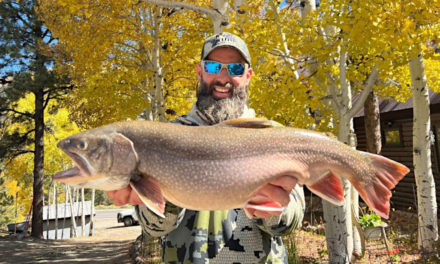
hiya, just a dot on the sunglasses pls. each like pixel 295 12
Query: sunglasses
pixel 234 69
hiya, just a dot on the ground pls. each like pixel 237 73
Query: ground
pixel 401 235
pixel 110 244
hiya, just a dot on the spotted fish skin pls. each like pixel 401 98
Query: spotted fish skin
pixel 221 167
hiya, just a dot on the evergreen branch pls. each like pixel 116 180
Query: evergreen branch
pixel 19 17
pixel 58 89
pixel 45 33
pixel 29 131
pixel 9 158
pixel 21 152
pixel 17 112
pixel 46 102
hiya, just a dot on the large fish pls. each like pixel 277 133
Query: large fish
pixel 222 166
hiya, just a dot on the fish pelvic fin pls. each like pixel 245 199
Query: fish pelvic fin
pixel 250 123
pixel 150 194
pixel 377 194
pixel 329 187
pixel 263 203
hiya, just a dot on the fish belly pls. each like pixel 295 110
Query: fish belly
pixel 224 184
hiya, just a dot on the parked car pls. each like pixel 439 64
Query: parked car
pixel 128 217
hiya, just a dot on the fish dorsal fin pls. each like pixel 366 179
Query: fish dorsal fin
pixel 250 123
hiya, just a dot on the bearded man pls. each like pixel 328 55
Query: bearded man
pixel 242 235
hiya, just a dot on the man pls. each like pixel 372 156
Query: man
pixel 229 236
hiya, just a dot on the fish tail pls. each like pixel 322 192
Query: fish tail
pixel 377 193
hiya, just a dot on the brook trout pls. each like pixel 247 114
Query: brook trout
pixel 222 167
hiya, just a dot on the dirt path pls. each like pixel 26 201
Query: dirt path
pixel 110 244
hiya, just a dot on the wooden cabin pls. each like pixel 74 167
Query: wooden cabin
pixel 396 128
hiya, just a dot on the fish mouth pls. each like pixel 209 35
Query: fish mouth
pixel 75 174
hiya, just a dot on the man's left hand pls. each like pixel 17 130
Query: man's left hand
pixel 277 191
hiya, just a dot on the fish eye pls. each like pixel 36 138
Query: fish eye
pixel 82 145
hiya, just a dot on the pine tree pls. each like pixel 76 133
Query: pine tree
pixel 26 66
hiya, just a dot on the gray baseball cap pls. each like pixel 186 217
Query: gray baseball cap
pixel 225 39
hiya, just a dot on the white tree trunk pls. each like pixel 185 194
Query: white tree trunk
pixel 158 102
pixel 307 6
pixel 83 215
pixel 73 232
pixel 48 213
pixel 222 21
pixel 426 197
pixel 55 197
pixel 342 238
pixel 65 209
pixel 339 232
pixel 92 216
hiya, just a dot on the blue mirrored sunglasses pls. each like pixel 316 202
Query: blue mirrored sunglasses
pixel 214 67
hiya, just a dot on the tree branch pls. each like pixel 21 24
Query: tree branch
pixel 25 22
pixel 17 112
pixel 365 92
pixel 8 159
pixel 204 10
pixel 21 152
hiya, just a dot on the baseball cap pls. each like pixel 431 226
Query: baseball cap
pixel 225 39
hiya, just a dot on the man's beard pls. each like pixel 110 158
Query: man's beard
pixel 219 110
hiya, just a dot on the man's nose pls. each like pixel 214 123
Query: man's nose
pixel 223 75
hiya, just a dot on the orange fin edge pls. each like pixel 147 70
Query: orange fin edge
pixel 329 187
pixel 388 173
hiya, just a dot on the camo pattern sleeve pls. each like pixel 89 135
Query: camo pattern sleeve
pixel 157 226
pixel 291 217
pixel 225 236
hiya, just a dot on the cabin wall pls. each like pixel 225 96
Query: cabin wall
pixel 404 196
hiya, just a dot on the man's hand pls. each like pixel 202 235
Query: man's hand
pixel 277 191
pixel 124 196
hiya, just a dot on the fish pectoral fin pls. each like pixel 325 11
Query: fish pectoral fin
pixel 150 193
pixel 250 123
pixel 263 203
pixel 267 206
pixel 329 187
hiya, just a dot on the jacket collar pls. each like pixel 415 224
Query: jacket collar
pixel 197 118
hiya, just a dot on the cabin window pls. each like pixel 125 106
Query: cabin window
pixel 392 136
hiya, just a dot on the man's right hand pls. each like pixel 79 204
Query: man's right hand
pixel 124 196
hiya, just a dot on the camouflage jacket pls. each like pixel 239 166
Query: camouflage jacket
pixel 227 236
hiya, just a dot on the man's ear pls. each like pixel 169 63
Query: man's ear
pixel 248 75
pixel 199 73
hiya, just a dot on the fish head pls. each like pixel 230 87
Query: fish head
pixel 103 160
